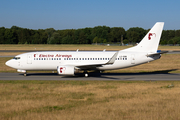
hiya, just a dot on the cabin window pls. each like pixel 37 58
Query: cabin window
pixel 64 58
pixel 59 58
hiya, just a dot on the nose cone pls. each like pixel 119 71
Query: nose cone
pixel 10 63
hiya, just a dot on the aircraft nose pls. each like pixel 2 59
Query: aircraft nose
pixel 8 63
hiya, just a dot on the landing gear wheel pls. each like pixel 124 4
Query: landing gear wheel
pixel 86 74
pixel 25 74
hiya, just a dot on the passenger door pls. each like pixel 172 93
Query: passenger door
pixel 29 59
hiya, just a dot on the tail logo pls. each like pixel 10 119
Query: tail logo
pixel 150 35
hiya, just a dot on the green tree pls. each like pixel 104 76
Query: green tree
pixel 135 34
pixel 2 32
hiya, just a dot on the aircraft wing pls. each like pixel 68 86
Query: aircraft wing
pixel 158 53
pixel 93 66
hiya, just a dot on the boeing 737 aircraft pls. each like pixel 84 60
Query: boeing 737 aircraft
pixel 69 62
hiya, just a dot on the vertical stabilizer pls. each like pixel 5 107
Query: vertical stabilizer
pixel 151 41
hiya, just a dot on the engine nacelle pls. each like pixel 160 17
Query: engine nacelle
pixel 66 70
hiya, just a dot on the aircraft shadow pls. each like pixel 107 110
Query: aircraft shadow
pixel 142 73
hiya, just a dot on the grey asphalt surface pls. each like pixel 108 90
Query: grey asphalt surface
pixel 92 76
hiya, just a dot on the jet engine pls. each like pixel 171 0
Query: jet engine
pixel 66 70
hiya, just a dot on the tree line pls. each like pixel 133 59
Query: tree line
pixel 98 34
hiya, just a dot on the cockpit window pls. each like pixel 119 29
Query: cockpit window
pixel 16 58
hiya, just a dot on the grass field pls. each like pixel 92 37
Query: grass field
pixel 90 100
pixel 72 47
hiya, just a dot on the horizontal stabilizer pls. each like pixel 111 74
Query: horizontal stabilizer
pixel 158 53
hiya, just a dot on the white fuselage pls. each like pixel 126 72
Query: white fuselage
pixel 50 60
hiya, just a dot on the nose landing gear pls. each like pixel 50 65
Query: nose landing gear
pixel 25 74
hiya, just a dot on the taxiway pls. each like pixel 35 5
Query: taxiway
pixel 92 76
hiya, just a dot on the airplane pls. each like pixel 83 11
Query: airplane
pixel 68 63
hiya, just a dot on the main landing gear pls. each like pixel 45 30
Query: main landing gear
pixel 85 73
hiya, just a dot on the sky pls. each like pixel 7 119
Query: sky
pixel 75 14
